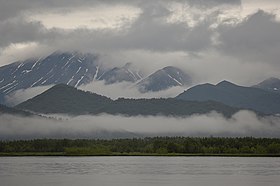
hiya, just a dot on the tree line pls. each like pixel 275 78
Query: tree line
pixel 155 145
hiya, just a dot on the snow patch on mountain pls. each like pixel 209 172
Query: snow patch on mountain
pixel 164 79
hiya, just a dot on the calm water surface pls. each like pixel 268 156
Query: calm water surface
pixel 139 171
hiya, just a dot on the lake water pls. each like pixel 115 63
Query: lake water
pixel 139 171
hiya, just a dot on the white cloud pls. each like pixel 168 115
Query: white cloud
pixel 128 90
pixel 252 6
pixel 25 94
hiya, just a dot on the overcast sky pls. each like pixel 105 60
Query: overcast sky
pixel 236 40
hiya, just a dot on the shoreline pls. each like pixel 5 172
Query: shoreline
pixel 62 154
pixel 157 146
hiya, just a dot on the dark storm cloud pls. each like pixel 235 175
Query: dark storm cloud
pixel 21 31
pixel 213 2
pixel 149 32
pixel 12 8
pixel 255 39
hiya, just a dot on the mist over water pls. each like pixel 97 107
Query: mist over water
pixel 243 123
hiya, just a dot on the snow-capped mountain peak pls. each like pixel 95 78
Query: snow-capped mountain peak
pixel 163 79
pixel 76 69
pixel 126 73
pixel 72 69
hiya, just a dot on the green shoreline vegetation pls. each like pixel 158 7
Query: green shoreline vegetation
pixel 156 146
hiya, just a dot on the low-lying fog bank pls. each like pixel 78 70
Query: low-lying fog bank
pixel 243 123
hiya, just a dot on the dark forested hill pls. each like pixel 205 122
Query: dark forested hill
pixel 166 107
pixel 65 99
pixel 69 100
pixel 235 96
pixel 271 84
pixel 8 110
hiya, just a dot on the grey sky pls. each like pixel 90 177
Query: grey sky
pixel 213 39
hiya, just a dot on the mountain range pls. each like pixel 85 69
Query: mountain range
pixel 225 98
pixel 236 96
pixel 65 99
pixel 13 111
pixel 126 73
pixel 163 79
pixel 73 69
pixel 76 69
pixel 271 84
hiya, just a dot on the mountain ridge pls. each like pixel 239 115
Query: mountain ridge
pixel 163 79
pixel 121 74
pixel 13 111
pixel 76 69
pixel 73 69
pixel 63 98
pixel 234 95
pixel 77 102
pixel 271 84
